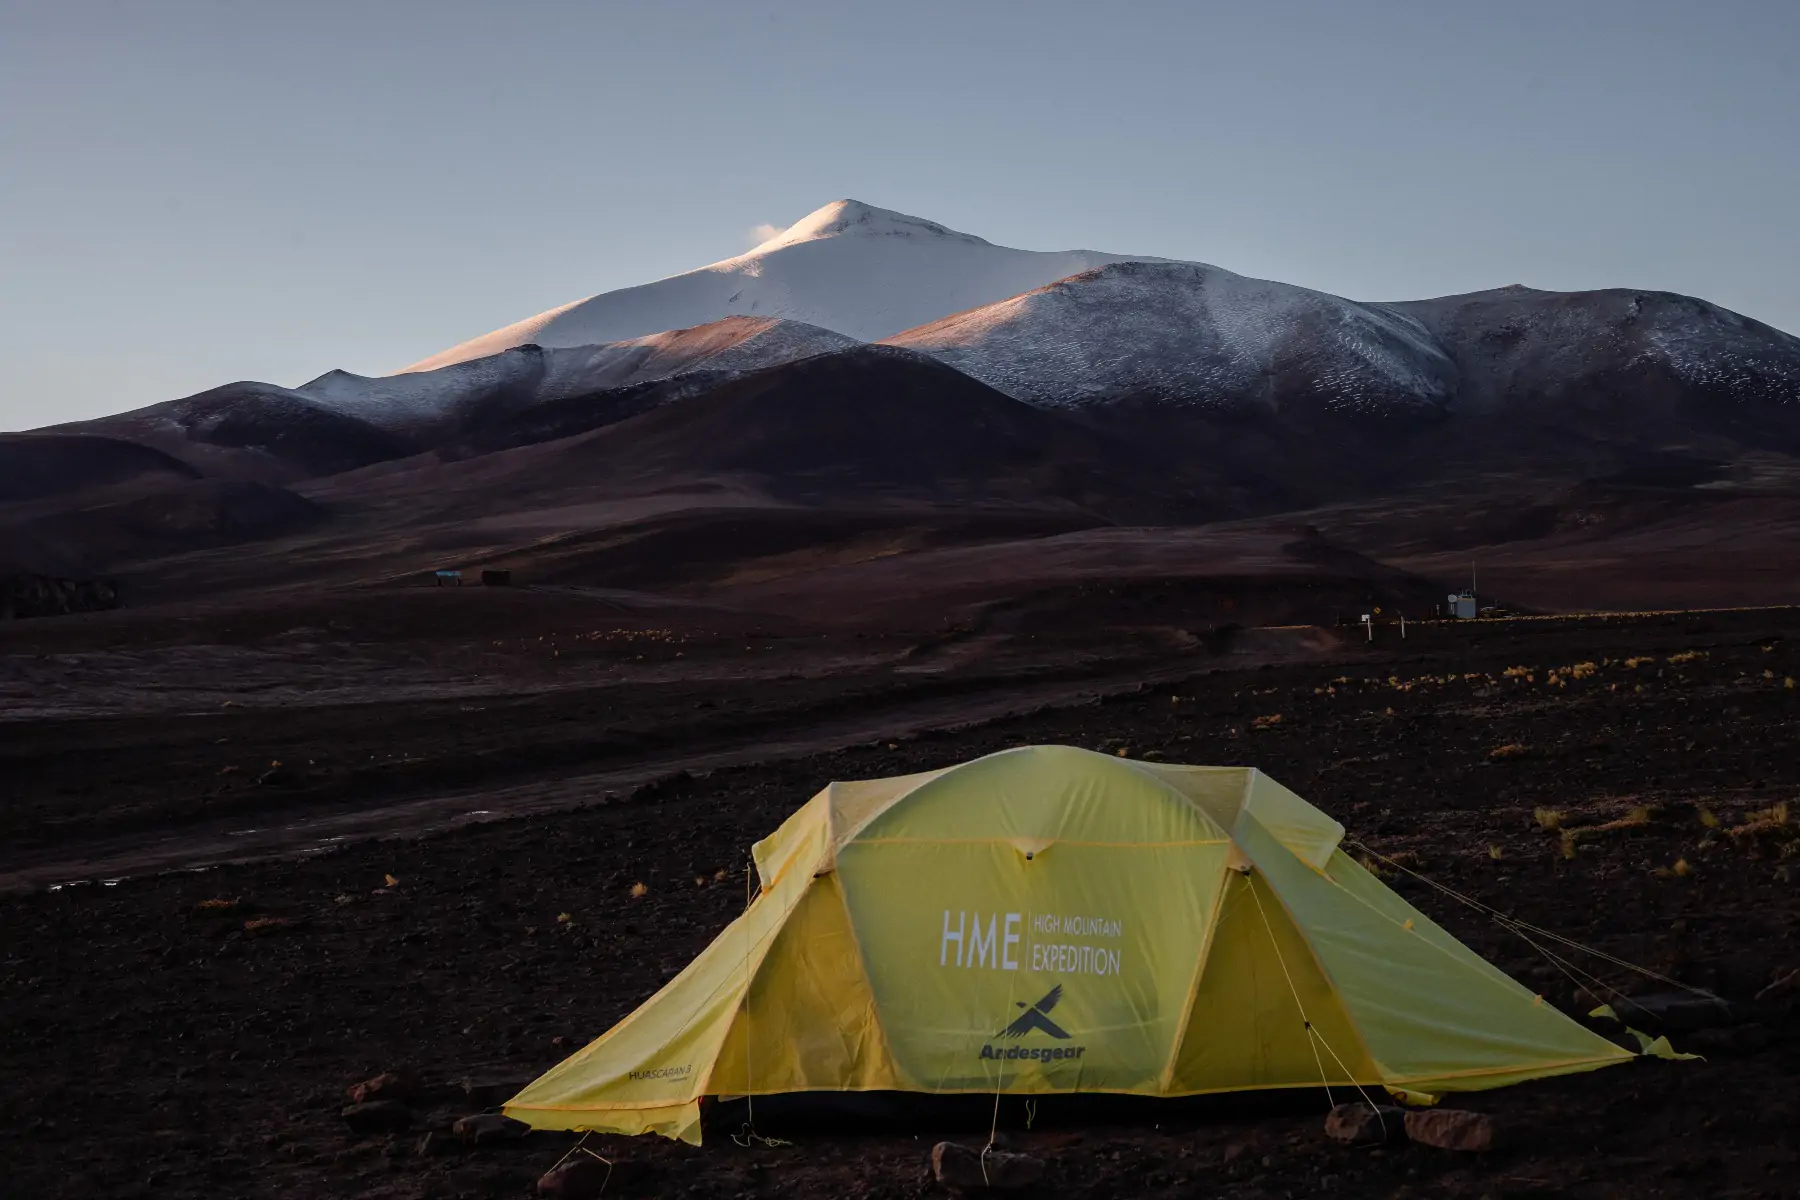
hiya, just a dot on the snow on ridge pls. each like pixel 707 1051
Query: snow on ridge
pixel 1562 337
pixel 530 374
pixel 1191 334
pixel 413 398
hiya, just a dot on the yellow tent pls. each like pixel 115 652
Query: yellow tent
pixel 1049 919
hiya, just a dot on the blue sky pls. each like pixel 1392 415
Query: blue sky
pixel 197 191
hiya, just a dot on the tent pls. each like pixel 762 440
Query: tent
pixel 1048 919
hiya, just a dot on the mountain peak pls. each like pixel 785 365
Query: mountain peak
pixel 853 218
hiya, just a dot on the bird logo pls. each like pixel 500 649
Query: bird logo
pixel 1034 1017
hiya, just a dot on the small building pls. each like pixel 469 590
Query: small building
pixel 1461 605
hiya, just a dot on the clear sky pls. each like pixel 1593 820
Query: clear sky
pixel 198 191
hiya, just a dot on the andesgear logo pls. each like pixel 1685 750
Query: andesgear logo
pixel 1035 1018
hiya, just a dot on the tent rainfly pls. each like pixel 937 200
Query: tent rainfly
pixel 1048 919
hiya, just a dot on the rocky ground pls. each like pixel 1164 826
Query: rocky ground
pixel 1624 781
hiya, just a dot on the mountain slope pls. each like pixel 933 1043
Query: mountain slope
pixel 253 430
pixel 868 425
pixel 1184 334
pixel 38 465
pixel 1618 363
pixel 860 271
pixel 481 391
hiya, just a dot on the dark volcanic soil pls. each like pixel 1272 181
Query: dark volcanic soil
pixel 150 1047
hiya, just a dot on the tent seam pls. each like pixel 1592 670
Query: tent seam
pixel 862 963
pixel 1330 979
pixel 1193 991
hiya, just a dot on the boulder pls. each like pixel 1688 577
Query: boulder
pixel 1673 1012
pixel 378 1116
pixel 581 1176
pixel 1365 1124
pixel 967 1170
pixel 485 1129
pixel 389 1085
pixel 1451 1129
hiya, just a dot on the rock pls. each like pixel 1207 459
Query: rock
pixel 1740 1039
pixel 1365 1124
pixel 1451 1129
pixel 378 1116
pixel 1785 985
pixel 389 1085
pixel 485 1129
pixel 964 1169
pixel 1673 1012
pixel 579 1177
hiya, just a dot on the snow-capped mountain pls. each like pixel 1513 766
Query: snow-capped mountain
pixel 1264 374
pixel 849 267
pixel 1193 335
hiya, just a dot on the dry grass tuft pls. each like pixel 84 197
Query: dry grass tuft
pixel 639 891
pixel 1773 819
pixel 1686 656
pixel 1510 750
pixel 1548 819
pixel 1637 818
